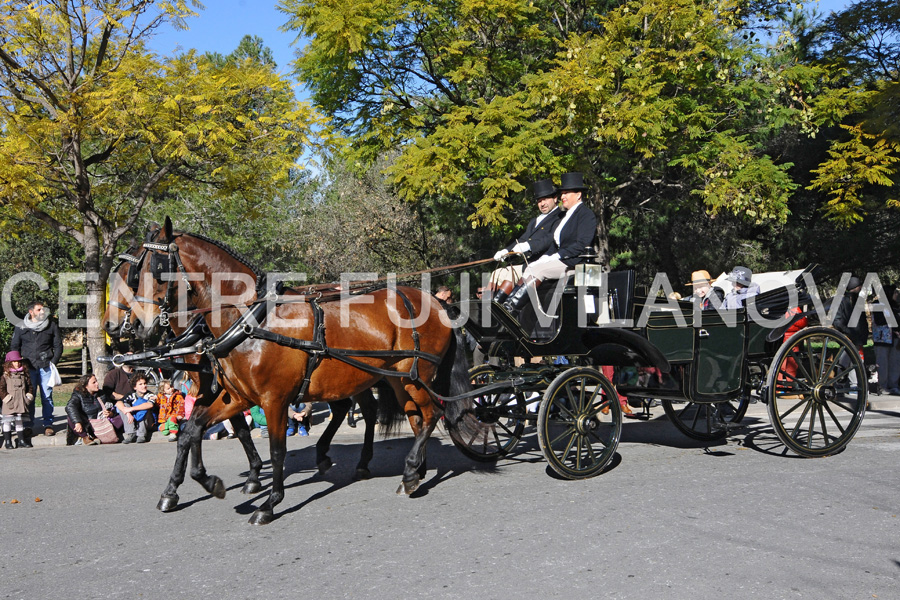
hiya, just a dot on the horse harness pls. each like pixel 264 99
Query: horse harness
pixel 247 327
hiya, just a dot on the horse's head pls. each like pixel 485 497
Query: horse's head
pixel 116 321
pixel 183 271
pixel 119 318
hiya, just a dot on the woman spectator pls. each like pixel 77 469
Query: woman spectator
pixel 86 403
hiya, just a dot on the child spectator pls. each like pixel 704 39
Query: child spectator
pixel 17 395
pixel 171 409
pixel 137 411
pixel 259 417
pixel 298 418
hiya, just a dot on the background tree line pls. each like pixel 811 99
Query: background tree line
pixel 712 133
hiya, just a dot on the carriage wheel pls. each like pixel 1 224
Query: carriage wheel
pixel 814 404
pixel 577 438
pixel 695 419
pixel 494 424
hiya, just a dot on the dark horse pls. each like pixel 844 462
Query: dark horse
pixel 119 320
pixel 397 334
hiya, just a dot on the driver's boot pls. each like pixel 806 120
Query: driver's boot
pixel 503 292
pixel 518 298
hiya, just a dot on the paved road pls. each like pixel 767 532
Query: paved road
pixel 670 519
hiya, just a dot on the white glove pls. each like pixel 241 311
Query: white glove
pixel 500 254
pixel 522 247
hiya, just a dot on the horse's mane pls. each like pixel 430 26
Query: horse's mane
pixel 231 252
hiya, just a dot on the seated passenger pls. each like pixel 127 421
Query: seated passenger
pixel 743 287
pixel 571 235
pixel 701 282
pixel 534 241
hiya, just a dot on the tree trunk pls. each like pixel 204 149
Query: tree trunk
pixel 603 256
pixel 96 342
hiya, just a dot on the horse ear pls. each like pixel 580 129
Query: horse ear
pixel 150 231
pixel 167 229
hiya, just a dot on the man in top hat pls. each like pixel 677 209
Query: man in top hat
pixel 743 288
pixel 703 290
pixel 536 238
pixel 572 234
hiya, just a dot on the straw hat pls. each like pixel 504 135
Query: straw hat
pixel 699 277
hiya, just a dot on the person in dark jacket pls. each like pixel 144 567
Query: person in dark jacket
pixel 857 330
pixel 40 343
pixel 534 241
pixel 572 234
pixel 86 403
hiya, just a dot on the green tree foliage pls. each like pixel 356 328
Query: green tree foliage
pixel 662 103
pixel 860 174
pixel 94 126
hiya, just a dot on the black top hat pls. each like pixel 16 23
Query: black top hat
pixel 572 182
pixel 544 188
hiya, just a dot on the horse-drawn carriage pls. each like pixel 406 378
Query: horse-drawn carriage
pixel 268 346
pixel 706 366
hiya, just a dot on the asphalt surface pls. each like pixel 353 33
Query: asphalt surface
pixel 671 518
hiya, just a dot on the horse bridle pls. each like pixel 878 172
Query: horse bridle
pixel 131 280
pixel 161 265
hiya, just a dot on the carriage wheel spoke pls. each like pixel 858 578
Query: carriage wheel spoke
pixel 598 438
pixel 836 363
pixel 792 409
pixel 834 419
pixel 840 375
pixel 564 409
pixel 801 367
pixel 822 421
pixel 568 431
pixel 800 421
pixel 846 407
pixel 590 453
pixel 572 402
pixel 810 355
pixel 696 414
pixel 822 372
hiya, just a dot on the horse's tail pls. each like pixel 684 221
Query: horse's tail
pixel 452 379
pixel 390 413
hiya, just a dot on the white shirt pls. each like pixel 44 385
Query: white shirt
pixel 565 219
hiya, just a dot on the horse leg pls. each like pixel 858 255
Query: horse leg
pixel 277 423
pixel 369 408
pixel 191 434
pixel 242 432
pixel 339 410
pixel 169 499
pixel 423 421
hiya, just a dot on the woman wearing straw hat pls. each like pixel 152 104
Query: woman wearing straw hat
pixel 704 292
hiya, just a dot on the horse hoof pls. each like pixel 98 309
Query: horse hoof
pixel 167 503
pixel 324 465
pixel 409 487
pixel 218 488
pixel 251 487
pixel 261 517
pixel 362 474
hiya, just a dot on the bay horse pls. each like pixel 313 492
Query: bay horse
pixel 123 317
pixel 395 334
pixel 119 320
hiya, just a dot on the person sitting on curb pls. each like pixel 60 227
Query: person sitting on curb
pixel 137 411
